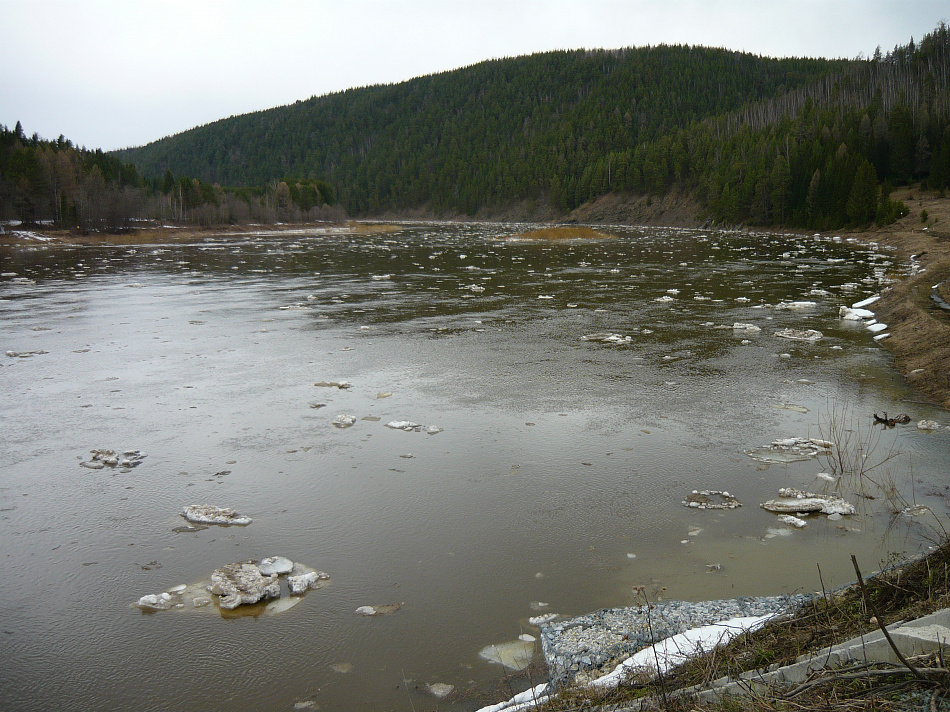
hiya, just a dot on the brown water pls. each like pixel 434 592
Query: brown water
pixel 559 458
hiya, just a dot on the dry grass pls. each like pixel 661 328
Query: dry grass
pixel 560 233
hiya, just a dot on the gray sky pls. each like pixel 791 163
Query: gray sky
pixel 115 73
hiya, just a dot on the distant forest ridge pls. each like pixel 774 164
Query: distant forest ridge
pixel 796 142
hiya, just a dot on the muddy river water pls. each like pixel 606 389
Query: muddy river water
pixel 552 479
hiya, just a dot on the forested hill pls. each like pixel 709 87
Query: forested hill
pixel 790 141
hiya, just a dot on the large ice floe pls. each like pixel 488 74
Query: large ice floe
pixel 243 583
pixel 102 458
pixel 606 337
pixel 409 427
pixel 796 501
pixel 791 450
pixel 210 514
pixel 809 335
pixel 711 499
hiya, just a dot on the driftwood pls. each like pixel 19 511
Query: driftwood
pixel 891 422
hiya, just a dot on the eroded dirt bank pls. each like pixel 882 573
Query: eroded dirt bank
pixel 920 331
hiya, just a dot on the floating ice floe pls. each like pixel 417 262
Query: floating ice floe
pixel 851 314
pixel 791 450
pixel 409 427
pixel 515 655
pixel 275 565
pixel 344 421
pixel 865 302
pixel 241 583
pixel 606 337
pixel 792 521
pixel 546 618
pixel 928 425
pixel 793 501
pixel 790 406
pixel 796 306
pixel 301 583
pixel 383 609
pixel 748 328
pixel 210 514
pixel 25 354
pixel 876 327
pixel 440 689
pixel 810 335
pixel 664 298
pixel 102 458
pixel 711 499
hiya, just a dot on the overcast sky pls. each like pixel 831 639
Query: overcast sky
pixel 115 73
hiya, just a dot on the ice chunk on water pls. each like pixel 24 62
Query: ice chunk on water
pixel 440 689
pixel 515 655
pixel 810 335
pixel 793 521
pixel 344 421
pixel 210 514
pixel 276 565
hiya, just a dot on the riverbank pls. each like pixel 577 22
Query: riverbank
pixel 920 331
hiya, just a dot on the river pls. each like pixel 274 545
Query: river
pixel 552 480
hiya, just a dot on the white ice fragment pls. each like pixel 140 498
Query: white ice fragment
pixel 539 620
pixel 276 565
pixel 210 514
pixel 927 425
pixel 605 337
pixel 303 582
pixel 849 314
pixel 796 306
pixel 865 302
pixel 406 425
pixel 810 335
pixel 793 521
pixel 664 298
pixel 344 421
pixel 515 655
pixel 242 583
pixel 881 337
pixel 877 327
pixel 155 602
pixel 793 501
pixel 826 477
pixel 366 611
pixel 748 328
pixel 440 689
